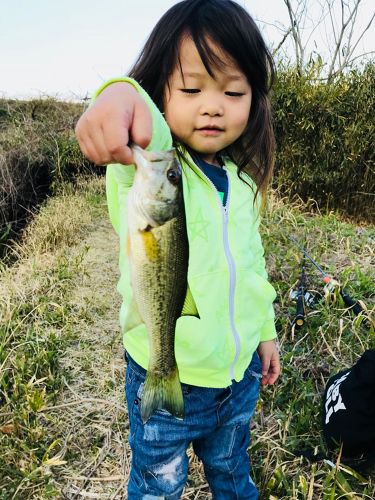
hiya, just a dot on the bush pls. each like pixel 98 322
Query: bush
pixel 324 135
pixel 37 153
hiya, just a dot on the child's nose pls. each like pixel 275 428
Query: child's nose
pixel 212 108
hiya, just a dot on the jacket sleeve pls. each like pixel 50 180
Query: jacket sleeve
pixel 268 329
pixel 119 178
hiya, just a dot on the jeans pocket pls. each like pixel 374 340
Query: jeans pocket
pixel 131 376
pixel 254 370
pixel 134 383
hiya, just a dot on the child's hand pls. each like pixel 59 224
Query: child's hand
pixel 118 115
pixel 269 356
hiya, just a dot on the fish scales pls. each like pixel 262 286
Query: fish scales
pixel 160 285
pixel 158 257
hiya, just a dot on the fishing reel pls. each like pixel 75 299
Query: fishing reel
pixel 331 290
pixel 303 299
pixel 310 297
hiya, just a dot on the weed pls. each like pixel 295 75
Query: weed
pixel 36 324
pixel 331 339
pixel 41 314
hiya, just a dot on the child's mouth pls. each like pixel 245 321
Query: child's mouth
pixel 210 131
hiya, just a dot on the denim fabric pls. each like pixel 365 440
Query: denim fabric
pixel 217 423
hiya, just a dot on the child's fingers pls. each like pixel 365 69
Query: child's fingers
pixel 270 370
pixel 273 371
pixel 89 148
pixel 141 127
pixel 118 116
pixel 115 139
pixel 90 138
pixel 118 132
pixel 265 371
pixel 97 141
pixel 272 377
pixel 83 139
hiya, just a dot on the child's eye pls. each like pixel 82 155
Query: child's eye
pixel 234 94
pixel 190 91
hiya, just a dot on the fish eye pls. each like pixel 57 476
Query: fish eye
pixel 174 176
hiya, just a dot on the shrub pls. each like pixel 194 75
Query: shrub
pixel 38 152
pixel 324 136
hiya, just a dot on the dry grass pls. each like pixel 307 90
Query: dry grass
pixel 80 425
pixel 331 339
pixel 38 152
pixel 36 322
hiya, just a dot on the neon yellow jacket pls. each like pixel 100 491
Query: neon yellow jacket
pixel 226 277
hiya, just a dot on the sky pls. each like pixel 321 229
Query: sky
pixel 68 48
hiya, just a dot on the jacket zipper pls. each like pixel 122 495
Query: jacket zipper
pixel 232 272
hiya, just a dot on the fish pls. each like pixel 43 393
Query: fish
pixel 158 254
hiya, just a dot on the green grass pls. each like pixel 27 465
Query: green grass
pixel 330 340
pixel 39 318
pixel 37 321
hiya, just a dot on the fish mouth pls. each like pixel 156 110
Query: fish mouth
pixel 153 156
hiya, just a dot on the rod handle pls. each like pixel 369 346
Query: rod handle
pixel 300 311
pixel 349 302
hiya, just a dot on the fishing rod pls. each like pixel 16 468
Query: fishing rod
pixel 331 283
pixel 303 298
pixel 300 300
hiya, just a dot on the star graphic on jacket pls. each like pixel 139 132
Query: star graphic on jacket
pixel 198 226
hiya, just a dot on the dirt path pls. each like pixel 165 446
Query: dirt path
pixel 91 418
pixel 91 415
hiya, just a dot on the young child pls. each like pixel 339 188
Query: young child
pixel 200 85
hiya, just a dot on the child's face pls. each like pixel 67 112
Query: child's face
pixel 207 114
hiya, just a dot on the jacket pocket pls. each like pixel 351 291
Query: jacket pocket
pixel 254 296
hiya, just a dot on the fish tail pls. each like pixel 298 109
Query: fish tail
pixel 162 393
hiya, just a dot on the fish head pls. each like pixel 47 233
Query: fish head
pixel 157 187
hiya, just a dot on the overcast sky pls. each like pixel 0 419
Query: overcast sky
pixel 68 48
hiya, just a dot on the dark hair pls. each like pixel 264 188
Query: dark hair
pixel 231 27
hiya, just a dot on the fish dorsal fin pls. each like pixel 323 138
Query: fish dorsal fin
pixel 189 308
pixel 133 317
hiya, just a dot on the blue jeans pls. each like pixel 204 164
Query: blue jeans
pixel 217 423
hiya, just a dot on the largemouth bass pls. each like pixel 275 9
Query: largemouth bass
pixel 158 258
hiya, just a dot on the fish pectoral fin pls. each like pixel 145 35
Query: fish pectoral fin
pixel 132 317
pixel 189 307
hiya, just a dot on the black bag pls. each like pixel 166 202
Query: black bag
pixel 349 411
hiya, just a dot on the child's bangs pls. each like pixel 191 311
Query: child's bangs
pixel 208 50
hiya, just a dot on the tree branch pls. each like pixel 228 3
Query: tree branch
pixel 344 25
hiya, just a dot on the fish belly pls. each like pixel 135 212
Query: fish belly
pixel 159 263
